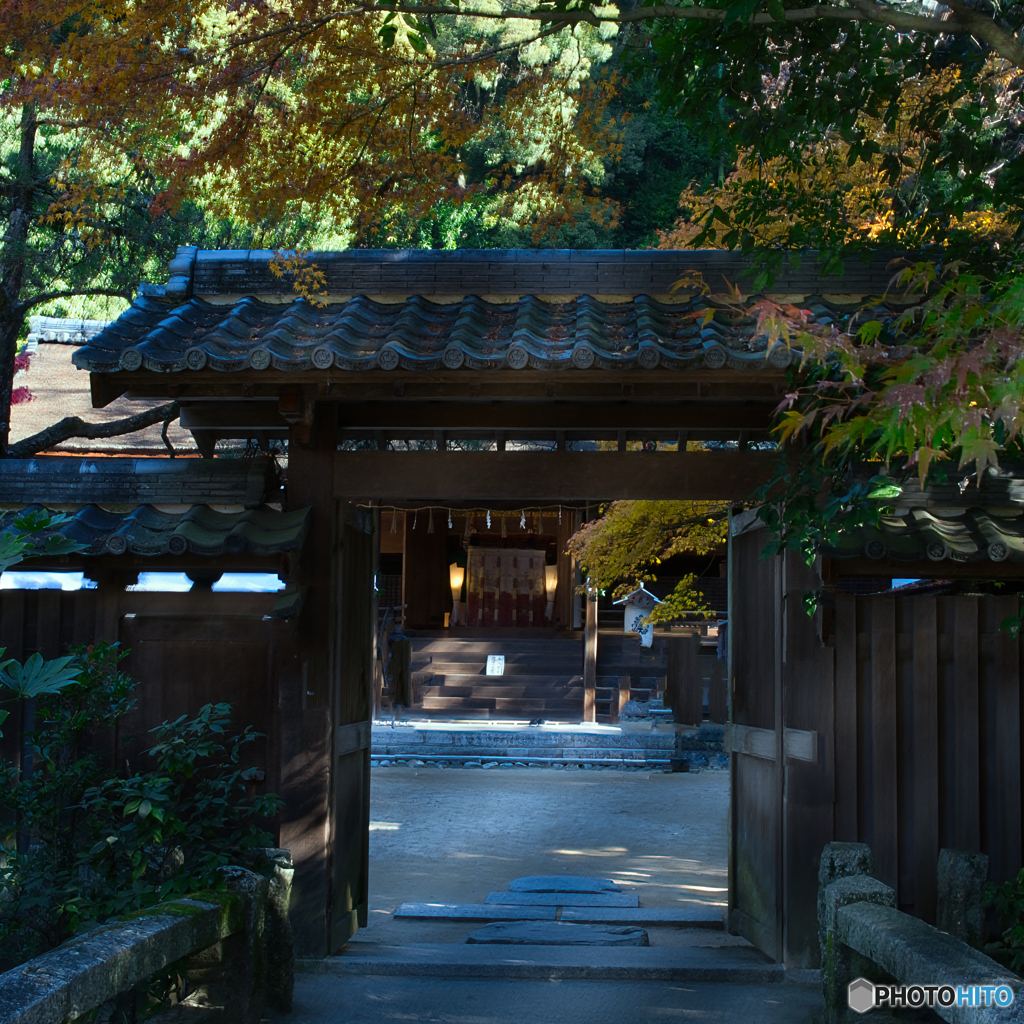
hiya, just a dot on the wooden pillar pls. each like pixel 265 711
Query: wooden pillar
pixel 590 660
pixel 622 694
pixel 304 677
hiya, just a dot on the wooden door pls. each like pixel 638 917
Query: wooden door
pixel 755 834
pixel 351 712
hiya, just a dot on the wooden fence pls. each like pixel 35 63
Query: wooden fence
pixel 891 720
pixel 674 666
pixel 928 730
pixel 185 650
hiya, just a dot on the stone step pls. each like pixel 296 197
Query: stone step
pixel 739 965
pixel 474 912
pixel 564 899
pixel 556 933
pixel 567 692
pixel 541 647
pixel 539 660
pixel 543 669
pixel 499 704
pixel 695 916
pixel 535 742
pixel 539 681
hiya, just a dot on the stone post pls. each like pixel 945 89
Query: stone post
pixel 961 878
pixel 843 878
pixel 839 860
pixel 277 929
pixel 231 975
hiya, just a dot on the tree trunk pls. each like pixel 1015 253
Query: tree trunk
pixel 13 257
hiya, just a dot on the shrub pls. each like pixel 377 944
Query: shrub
pixel 88 844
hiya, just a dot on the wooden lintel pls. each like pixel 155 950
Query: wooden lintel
pixel 947 569
pixel 537 385
pixel 105 388
pixel 253 414
pixel 549 476
pixel 555 415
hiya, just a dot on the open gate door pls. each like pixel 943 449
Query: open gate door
pixel 755 685
pixel 781 722
pixel 351 714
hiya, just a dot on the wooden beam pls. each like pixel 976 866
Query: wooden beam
pixel 576 416
pixel 590 661
pixel 362 385
pixel 982 568
pixel 254 414
pixel 549 476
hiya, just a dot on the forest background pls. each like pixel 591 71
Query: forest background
pixel 760 125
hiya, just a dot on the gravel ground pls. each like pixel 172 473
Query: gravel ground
pixel 454 835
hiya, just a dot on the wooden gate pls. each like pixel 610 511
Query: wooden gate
pixel 891 720
pixel 351 712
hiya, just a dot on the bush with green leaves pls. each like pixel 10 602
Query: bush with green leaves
pixel 87 844
pixel 1007 899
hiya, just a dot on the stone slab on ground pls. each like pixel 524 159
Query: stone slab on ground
pixel 563 883
pixel 557 933
pixel 697 916
pixel 476 912
pixel 741 965
pixel 564 899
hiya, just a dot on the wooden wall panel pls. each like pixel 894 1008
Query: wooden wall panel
pixel 923 768
pixel 1000 739
pixel 967 830
pixel 882 725
pixel 845 756
pixel 937 714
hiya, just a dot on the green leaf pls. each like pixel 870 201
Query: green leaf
pixel 387 35
pixel 741 10
pixel 886 491
pixel 37 677
pixel 776 9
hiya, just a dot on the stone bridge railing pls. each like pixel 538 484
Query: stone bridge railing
pixel 868 944
pixel 232 948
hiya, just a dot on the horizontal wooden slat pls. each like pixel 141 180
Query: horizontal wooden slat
pixel 549 476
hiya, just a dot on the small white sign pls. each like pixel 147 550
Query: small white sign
pixel 634 623
pixel 495 664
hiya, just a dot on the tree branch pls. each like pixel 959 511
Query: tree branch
pixel 72 426
pixel 988 31
pixel 37 300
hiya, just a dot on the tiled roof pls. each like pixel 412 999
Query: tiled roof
pixel 417 334
pixel 147 531
pixel 961 535
pixel 510 272
pixel 113 481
